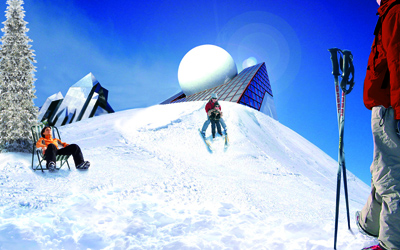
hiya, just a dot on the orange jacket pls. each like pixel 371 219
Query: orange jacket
pixel 44 142
pixel 382 81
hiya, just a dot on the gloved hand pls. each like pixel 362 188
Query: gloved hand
pixel 398 127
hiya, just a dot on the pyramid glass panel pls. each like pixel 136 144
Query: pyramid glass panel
pixel 50 105
pixel 254 95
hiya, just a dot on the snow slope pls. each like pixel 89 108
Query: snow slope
pixel 154 185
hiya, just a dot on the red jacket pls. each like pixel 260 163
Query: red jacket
pixel 379 88
pixel 210 105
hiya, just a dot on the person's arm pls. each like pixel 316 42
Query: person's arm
pixel 64 144
pixel 208 107
pixel 40 144
pixel 391 43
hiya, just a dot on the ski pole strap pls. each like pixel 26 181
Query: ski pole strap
pixel 347 83
pixel 345 65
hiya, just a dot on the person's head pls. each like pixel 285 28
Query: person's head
pixel 214 97
pixel 217 105
pixel 45 131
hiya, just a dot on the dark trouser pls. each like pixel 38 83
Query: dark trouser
pixel 73 149
pixel 213 124
pixel 207 122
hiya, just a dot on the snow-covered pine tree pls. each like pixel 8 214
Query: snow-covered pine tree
pixel 17 110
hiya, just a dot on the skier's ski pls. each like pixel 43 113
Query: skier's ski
pixel 206 141
pixel 226 144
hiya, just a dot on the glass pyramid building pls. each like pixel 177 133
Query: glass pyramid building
pixel 250 88
pixel 52 103
pixel 84 99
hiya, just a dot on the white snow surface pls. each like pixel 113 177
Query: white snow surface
pixel 152 184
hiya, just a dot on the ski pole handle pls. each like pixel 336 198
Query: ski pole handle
pixel 335 62
pixel 348 69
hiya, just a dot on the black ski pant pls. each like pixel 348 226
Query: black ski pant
pixel 52 151
pixel 215 123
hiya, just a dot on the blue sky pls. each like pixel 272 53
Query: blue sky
pixel 134 50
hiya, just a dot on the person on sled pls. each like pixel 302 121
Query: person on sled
pixel 215 115
pixel 50 149
pixel 210 105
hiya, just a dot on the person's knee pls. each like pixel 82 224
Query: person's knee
pixel 74 146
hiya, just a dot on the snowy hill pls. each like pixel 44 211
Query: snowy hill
pixel 154 185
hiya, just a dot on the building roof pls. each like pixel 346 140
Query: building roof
pixel 231 91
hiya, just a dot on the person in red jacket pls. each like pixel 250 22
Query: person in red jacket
pixel 50 149
pixel 380 216
pixel 209 106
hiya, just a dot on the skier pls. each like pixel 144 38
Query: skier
pixel 215 115
pixel 210 105
pixel 380 216
pixel 50 150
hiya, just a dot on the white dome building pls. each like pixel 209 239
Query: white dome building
pixel 205 67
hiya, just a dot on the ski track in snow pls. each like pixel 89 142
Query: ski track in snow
pixel 153 185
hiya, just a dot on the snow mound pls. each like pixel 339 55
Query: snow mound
pixel 152 184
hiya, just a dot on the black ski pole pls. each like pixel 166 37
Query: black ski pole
pixel 347 85
pixel 335 65
pixel 346 65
